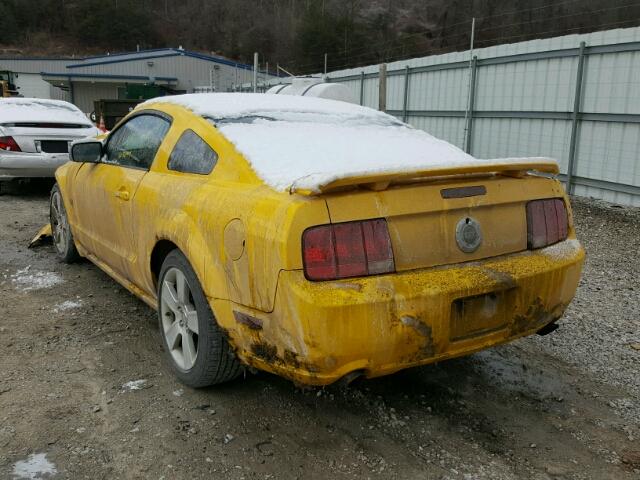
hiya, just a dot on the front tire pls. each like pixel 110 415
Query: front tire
pixel 60 229
pixel 193 342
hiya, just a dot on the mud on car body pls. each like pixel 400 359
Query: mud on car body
pixel 315 239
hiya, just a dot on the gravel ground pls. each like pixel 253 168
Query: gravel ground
pixel 84 392
pixel 601 328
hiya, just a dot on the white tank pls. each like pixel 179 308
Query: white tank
pixel 314 87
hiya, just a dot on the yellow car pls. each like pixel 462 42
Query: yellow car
pixel 315 239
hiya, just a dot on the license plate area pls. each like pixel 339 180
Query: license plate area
pixel 480 314
pixel 54 146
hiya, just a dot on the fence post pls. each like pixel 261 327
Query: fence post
pixel 382 88
pixel 405 100
pixel 362 88
pixel 571 167
pixel 255 72
pixel 470 106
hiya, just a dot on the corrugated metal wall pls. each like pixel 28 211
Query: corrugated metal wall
pixel 524 100
pixel 28 79
pixel 191 72
pixel 84 94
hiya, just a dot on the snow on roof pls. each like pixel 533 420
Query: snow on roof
pixel 310 142
pixel 13 110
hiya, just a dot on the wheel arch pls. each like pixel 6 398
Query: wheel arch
pixel 161 249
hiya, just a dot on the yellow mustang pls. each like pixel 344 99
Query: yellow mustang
pixel 315 239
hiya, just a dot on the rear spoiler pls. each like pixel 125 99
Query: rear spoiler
pixel 513 167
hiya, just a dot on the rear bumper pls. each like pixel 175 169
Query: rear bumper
pixel 320 332
pixel 22 164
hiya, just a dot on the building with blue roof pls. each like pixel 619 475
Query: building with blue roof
pixel 84 80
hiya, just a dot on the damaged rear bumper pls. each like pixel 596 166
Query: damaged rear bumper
pixel 320 332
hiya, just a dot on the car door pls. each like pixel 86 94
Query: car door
pixel 106 191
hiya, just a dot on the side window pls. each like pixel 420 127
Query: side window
pixel 192 155
pixel 136 142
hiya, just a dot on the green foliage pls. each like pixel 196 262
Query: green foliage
pixel 107 24
pixel 8 27
pixel 118 26
pixel 296 33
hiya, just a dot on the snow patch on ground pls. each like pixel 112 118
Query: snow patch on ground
pixel 67 305
pixel 134 385
pixel 26 280
pixel 36 466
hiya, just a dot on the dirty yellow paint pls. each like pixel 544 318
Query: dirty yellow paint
pixel 243 240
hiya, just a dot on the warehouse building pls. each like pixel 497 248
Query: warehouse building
pixel 85 80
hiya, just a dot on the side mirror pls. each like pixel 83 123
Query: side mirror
pixel 87 151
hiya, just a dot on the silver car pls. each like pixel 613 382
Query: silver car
pixel 35 135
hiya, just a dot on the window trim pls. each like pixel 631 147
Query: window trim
pixel 203 141
pixel 151 112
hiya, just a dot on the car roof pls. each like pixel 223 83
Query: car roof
pixel 40 110
pixel 301 143
pixel 235 105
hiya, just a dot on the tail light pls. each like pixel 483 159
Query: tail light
pixel 343 250
pixel 547 222
pixel 9 144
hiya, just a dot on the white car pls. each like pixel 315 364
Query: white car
pixel 35 135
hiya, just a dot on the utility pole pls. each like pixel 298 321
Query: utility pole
pixel 382 88
pixel 471 86
pixel 235 76
pixel 255 72
pixel 325 63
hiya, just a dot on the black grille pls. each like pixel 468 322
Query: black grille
pixel 54 146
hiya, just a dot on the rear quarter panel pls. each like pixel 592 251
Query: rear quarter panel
pixel 236 232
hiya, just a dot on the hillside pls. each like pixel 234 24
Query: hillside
pixel 297 33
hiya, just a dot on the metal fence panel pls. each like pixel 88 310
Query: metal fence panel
pixel 612 83
pixel 450 129
pixel 512 137
pixel 537 85
pixel 530 99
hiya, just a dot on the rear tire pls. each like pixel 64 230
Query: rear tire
pixel 194 344
pixel 60 229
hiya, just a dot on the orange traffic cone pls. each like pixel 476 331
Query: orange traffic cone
pixel 101 125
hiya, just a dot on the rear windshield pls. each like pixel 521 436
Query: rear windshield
pixel 29 112
pixel 344 120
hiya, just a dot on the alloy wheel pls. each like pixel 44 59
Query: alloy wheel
pixel 59 223
pixel 179 318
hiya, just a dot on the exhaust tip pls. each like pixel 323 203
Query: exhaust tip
pixel 547 329
pixel 350 378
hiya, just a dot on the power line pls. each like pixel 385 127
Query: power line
pixel 564 30
pixel 415 54
pixel 520 12
pixel 591 12
pixel 368 51
pixel 351 57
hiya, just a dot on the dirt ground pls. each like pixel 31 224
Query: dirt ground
pixel 84 392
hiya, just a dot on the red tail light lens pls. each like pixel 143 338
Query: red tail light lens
pixel 343 250
pixel 319 253
pixel 547 222
pixel 9 144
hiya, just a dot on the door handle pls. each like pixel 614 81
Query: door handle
pixel 122 195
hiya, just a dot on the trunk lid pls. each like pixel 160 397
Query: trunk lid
pixel 49 139
pixel 424 217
